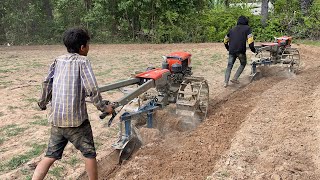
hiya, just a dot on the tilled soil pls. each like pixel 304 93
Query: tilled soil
pixel 264 130
pixel 267 129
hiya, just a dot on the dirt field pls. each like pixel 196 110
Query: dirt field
pixel 268 129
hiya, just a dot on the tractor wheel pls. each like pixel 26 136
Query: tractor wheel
pixel 203 98
pixel 193 98
pixel 292 57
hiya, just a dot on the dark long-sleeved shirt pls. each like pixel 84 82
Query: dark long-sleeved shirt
pixel 235 40
pixel 69 81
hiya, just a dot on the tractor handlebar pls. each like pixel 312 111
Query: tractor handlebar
pixel 105 114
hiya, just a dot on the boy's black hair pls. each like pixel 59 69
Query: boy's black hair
pixel 243 20
pixel 75 37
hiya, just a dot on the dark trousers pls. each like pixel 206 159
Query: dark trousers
pixel 232 58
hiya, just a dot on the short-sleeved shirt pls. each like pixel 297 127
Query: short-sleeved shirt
pixel 69 81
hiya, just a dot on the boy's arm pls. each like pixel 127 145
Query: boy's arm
pixel 46 93
pixel 226 41
pixel 91 87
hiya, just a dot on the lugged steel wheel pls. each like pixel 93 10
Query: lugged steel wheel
pixel 203 101
pixel 292 57
pixel 193 98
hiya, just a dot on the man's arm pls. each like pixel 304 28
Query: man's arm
pixel 91 87
pixel 251 41
pixel 46 93
pixel 226 41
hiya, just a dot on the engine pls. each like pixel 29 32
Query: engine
pixel 179 65
pixel 284 41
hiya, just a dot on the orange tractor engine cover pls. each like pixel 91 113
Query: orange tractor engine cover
pixel 284 39
pixel 178 58
pixel 154 74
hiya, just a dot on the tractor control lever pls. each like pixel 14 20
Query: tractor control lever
pixel 258 50
pixel 104 114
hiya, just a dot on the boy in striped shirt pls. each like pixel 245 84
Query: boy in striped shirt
pixel 69 81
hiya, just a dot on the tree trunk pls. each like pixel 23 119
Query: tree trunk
pixel 114 20
pixel 3 38
pixel 88 4
pixel 47 6
pixel 226 3
pixel 264 12
pixel 305 5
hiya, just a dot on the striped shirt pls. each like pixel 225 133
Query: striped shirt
pixel 69 81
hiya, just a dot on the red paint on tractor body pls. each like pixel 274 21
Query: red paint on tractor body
pixel 152 74
pixel 286 40
pixel 178 58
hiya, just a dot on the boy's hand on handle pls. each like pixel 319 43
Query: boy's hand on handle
pixel 108 109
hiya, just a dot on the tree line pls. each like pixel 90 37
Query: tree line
pixel 153 21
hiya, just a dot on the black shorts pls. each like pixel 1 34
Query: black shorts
pixel 81 137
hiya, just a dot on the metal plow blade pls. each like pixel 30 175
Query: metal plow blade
pixel 128 149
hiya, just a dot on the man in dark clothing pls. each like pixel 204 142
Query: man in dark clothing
pixel 235 43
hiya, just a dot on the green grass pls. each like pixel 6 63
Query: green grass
pixel 13 56
pixel 3 76
pixel 5 70
pixel 11 108
pixel 224 174
pixel 39 121
pixel 38 87
pixel 214 58
pixel 31 100
pixel 8 70
pixel 196 63
pixel 36 117
pixel 73 161
pixel 18 160
pixel 2 150
pixel 2 167
pixel 37 65
pixel 309 42
pixel 5 83
pixel 56 172
pixel 2 140
pixel 12 130
pixel 104 73
pixel 97 144
pixel 27 173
